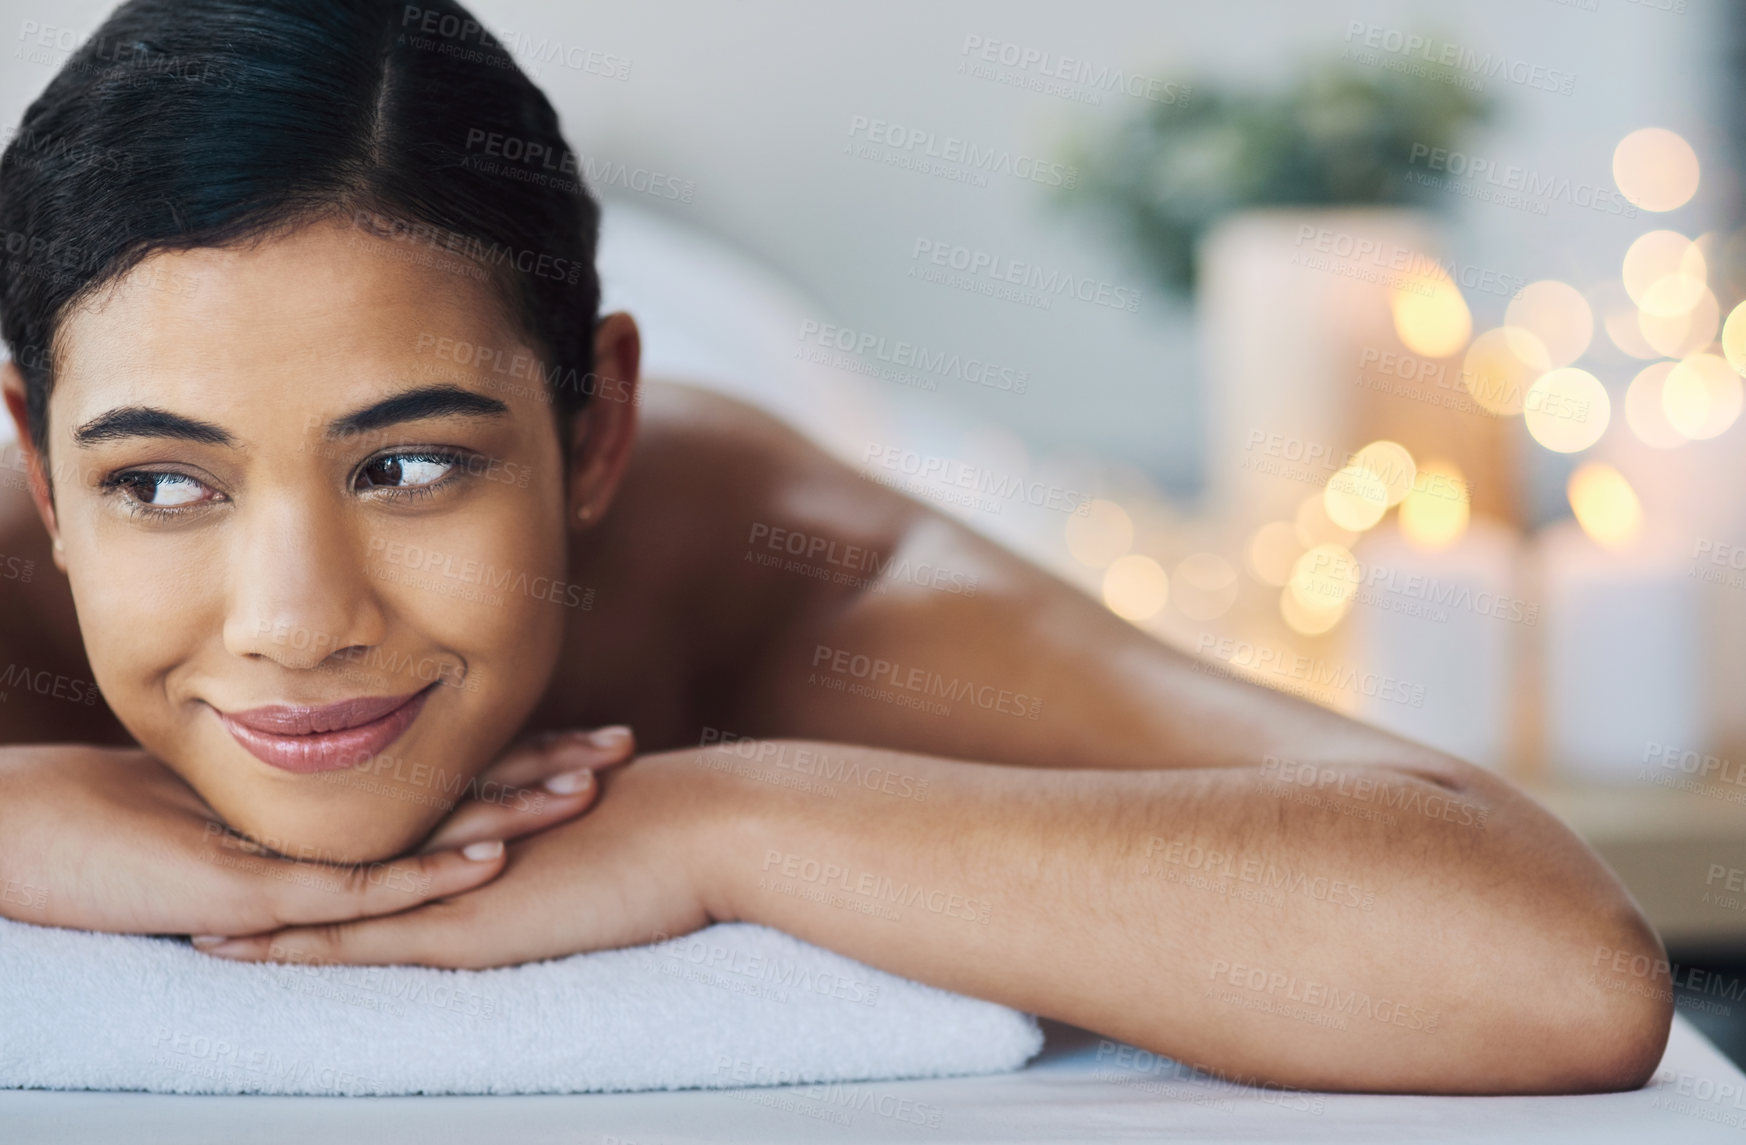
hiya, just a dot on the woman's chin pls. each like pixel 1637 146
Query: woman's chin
pixel 328 835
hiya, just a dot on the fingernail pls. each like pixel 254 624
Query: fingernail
pixel 614 738
pixel 570 782
pixel 483 852
pixel 202 941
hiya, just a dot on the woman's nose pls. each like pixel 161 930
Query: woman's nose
pixel 298 587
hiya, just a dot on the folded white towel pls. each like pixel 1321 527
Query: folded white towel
pixel 731 1005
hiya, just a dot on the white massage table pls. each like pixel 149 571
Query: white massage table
pixel 1077 1090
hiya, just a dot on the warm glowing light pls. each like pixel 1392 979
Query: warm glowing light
pixel 1701 396
pixel 1205 586
pixel 1620 317
pixel 1355 498
pixel 1135 587
pixel 1315 527
pixel 1557 315
pixel 1656 169
pixel 1678 335
pixel 1567 410
pixel 1500 366
pixel 1103 534
pixel 1734 338
pixel 1434 515
pixel 1430 315
pixel 1643 410
pixel 1324 577
pixel 1391 462
pixel 1665 273
pixel 1272 551
pixel 1605 505
pixel 1307 621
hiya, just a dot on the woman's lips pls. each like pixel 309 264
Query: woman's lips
pixel 326 738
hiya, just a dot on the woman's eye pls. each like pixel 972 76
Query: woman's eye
pixel 407 470
pixel 164 490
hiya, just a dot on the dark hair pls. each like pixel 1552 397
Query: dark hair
pixel 209 123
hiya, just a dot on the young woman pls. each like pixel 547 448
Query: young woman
pixel 325 568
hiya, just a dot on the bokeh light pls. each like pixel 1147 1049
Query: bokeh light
pixel 1605 505
pixel 1307 621
pixel 1677 335
pixel 1390 461
pixel 1664 272
pixel 1204 586
pixel 1435 514
pixel 1135 587
pixel 1315 527
pixel 1656 169
pixel 1701 396
pixel 1430 316
pixel 1355 498
pixel 1644 412
pixel 1324 577
pixel 1273 549
pixel 1621 318
pixel 1734 338
pixel 1103 534
pixel 1500 366
pixel 1558 317
pixel 1567 410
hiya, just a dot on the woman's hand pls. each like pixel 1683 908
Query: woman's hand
pixel 110 839
pixel 636 868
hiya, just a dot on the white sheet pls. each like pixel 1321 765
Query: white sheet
pixel 1073 1093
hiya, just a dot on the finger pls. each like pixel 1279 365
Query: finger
pixel 429 936
pixel 555 752
pixel 521 811
pixel 269 893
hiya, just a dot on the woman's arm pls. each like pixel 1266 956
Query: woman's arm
pixel 1387 933
pixel 1381 932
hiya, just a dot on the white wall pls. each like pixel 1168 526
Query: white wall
pixel 752 102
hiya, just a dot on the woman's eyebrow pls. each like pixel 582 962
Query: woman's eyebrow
pixel 148 421
pixel 426 401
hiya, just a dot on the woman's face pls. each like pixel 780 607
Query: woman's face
pixel 318 554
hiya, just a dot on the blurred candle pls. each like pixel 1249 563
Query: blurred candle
pixel 1624 653
pixel 1443 625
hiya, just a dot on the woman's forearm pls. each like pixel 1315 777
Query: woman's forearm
pixel 1371 930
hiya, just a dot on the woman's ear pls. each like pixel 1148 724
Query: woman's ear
pixel 603 433
pixel 12 388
